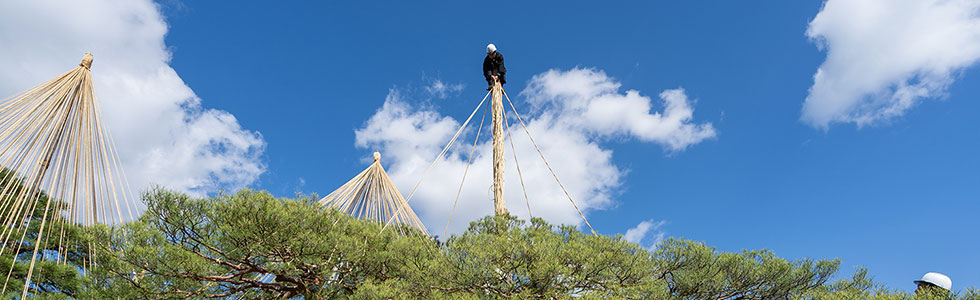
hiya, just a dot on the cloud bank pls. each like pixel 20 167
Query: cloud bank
pixel 886 56
pixel 589 101
pixel 574 111
pixel 162 131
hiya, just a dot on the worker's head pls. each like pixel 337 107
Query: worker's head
pixel 933 280
pixel 491 49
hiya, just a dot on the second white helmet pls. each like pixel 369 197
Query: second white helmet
pixel 937 279
pixel 491 48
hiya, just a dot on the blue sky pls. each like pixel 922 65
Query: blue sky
pixel 885 186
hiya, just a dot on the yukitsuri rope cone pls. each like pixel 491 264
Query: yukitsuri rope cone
pixel 372 196
pixel 56 153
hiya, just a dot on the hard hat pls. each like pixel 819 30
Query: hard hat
pixel 936 279
pixel 491 48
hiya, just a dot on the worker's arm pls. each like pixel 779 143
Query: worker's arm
pixel 487 68
pixel 501 70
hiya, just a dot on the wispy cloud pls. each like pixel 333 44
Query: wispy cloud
pixel 410 136
pixel 646 232
pixel 441 90
pixel 885 56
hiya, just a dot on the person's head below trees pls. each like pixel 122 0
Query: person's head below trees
pixel 934 283
pixel 493 67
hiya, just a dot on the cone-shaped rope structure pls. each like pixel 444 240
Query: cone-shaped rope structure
pixel 57 154
pixel 372 196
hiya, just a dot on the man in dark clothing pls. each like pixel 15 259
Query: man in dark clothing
pixel 493 66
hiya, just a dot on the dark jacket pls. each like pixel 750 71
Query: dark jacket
pixel 494 66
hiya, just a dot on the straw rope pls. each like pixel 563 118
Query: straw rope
pixel 441 154
pixel 549 165
pixel 513 147
pixel 465 171
pixel 372 196
pixel 53 143
pixel 499 202
pixel 519 174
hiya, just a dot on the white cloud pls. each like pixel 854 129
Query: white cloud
pixel 885 56
pixel 645 231
pixel 409 137
pixel 441 90
pixel 588 100
pixel 163 133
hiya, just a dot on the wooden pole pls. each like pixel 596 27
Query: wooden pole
pixel 497 107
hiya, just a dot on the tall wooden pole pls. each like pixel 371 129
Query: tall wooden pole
pixel 497 107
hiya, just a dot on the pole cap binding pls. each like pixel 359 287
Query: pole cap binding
pixel 86 61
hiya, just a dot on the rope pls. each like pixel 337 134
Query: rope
pixel 434 162
pixel 468 163
pixel 55 144
pixel 519 174
pixel 86 61
pixel 549 165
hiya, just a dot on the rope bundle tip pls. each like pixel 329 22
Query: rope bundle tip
pixel 87 60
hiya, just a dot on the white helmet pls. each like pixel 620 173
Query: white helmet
pixel 491 48
pixel 936 279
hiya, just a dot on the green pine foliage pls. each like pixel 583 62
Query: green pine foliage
pixel 62 242
pixel 251 245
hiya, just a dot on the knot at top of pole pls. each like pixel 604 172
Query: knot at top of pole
pixel 377 156
pixel 86 61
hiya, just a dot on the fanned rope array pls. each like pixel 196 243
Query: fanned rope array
pixel 372 196
pixel 53 140
pixel 497 92
pixel 548 165
pixel 439 157
pixel 469 162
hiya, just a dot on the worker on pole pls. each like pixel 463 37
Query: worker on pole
pixel 493 70
pixel 493 67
